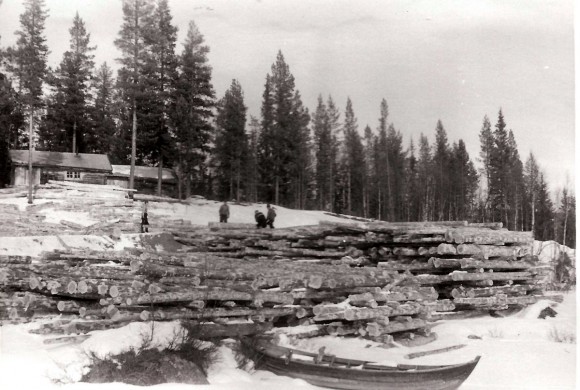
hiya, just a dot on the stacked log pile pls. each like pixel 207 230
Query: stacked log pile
pixel 104 290
pixel 475 266
pixel 382 281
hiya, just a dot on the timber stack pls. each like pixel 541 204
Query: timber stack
pixel 382 281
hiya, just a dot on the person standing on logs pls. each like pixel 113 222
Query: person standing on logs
pixel 224 212
pixel 260 219
pixel 144 219
pixel 270 216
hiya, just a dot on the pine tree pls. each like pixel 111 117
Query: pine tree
pixel 27 65
pixel 66 126
pixel 231 144
pixel 132 42
pixel 192 113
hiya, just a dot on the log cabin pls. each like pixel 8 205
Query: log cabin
pixel 62 166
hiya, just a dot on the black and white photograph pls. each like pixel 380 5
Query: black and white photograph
pixel 288 194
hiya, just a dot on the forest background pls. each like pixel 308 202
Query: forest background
pixel 157 106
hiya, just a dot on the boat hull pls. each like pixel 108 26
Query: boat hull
pixel 356 378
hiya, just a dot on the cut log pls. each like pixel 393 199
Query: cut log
pixel 414 265
pixel 488 237
pixel 13 259
pixel 515 290
pixel 489 251
pixel 433 351
pixel 374 329
pixel 447 249
pixel 213 294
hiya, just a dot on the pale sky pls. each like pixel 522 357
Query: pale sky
pixel 451 60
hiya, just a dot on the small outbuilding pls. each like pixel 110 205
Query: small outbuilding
pixel 62 166
pixel 145 179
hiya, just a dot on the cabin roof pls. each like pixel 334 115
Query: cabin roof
pixel 84 161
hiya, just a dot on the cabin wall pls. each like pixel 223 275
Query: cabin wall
pixel 75 175
pixel 20 176
pixel 41 175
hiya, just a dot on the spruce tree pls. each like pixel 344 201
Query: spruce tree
pixel 354 163
pixel 500 172
pixel 67 127
pixel 515 186
pixel 10 118
pixel 487 148
pixel 532 187
pixel 463 183
pixel 412 187
pixel 441 173
pixel 160 73
pixel 566 219
pixel 544 230
pixel 369 177
pixel 425 177
pixel 382 168
pixel 301 144
pixel 103 112
pixel 231 143
pixel 193 111
pixel 252 171
pixel 396 165
pixel 283 138
pixel 323 153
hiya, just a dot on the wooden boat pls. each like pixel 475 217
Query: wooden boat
pixel 339 373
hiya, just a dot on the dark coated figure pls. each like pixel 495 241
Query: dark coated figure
pixel 260 219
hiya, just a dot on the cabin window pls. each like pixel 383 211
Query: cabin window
pixel 73 175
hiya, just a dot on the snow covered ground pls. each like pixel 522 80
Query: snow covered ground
pixel 518 352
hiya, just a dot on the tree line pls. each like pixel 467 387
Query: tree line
pixel 160 109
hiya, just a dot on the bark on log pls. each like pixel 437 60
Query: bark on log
pixel 213 294
pixel 515 290
pixel 488 251
pixel 488 237
pixel 14 259
pixel 414 265
pixel 447 249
